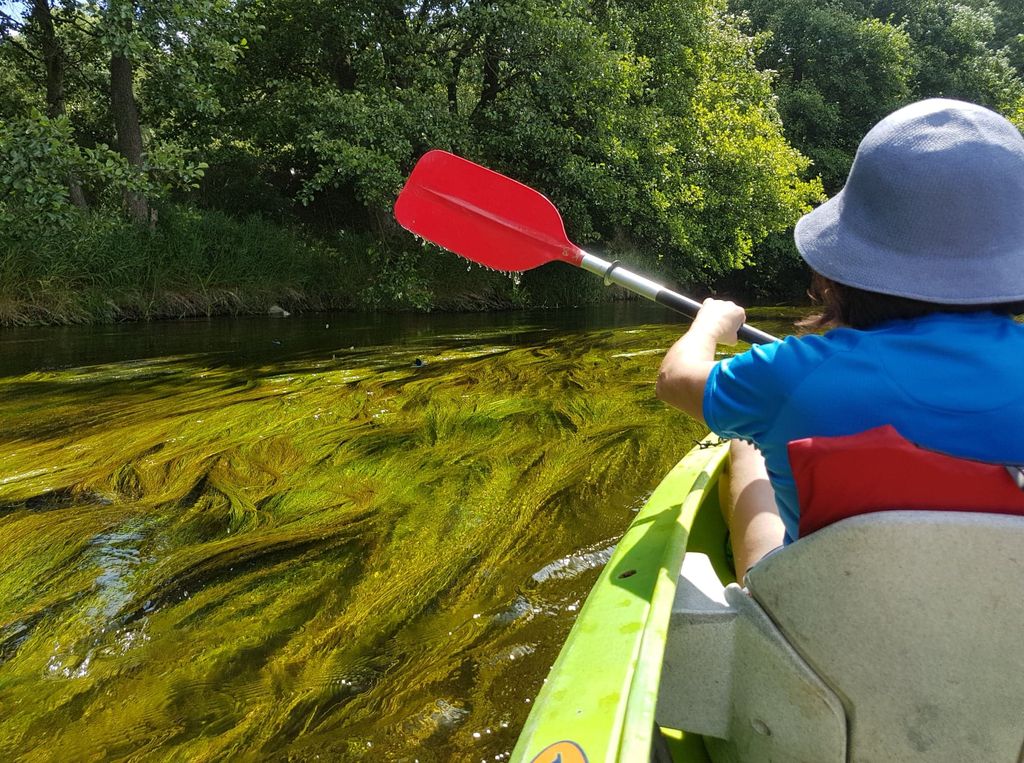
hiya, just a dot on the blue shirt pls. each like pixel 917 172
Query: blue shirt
pixel 948 382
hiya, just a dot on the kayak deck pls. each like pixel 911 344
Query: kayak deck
pixel 599 699
pixel 871 618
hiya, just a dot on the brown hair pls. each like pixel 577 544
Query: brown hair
pixel 844 305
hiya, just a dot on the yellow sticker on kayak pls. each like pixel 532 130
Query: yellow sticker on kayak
pixel 561 752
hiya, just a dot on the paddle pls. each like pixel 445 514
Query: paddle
pixel 502 224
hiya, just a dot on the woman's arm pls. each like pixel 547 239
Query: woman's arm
pixel 685 368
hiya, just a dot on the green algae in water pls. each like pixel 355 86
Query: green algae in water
pixel 344 555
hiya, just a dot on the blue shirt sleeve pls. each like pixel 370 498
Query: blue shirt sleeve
pixel 745 393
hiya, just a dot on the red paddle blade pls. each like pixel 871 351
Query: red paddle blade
pixel 482 215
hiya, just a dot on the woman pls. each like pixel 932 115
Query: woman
pixel 919 262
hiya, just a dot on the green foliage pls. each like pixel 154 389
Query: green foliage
pixel 19 94
pixel 101 267
pixel 747 185
pixel 94 266
pixel 39 156
pixel 844 65
pixel 394 279
pixel 838 72
pixel 676 130
pixel 959 54
pixel 651 124
pixel 36 160
pixel 366 154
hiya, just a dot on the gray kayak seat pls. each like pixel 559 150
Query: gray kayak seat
pixel 889 637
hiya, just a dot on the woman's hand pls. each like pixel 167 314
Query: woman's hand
pixel 721 320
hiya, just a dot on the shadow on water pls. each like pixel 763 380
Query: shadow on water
pixel 217 545
pixel 247 341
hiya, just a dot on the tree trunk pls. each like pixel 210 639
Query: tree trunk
pixel 456 72
pixel 395 45
pixel 491 85
pixel 343 72
pixel 53 59
pixel 129 133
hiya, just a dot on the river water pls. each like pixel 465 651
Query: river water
pixel 335 537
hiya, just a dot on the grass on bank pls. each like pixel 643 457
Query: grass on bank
pixel 98 268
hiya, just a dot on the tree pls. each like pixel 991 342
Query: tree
pixel 110 43
pixel 150 34
pixel 648 124
pixel 838 72
pixel 118 30
pixel 40 44
pixel 959 52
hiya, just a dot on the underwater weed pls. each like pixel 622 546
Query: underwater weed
pixel 298 558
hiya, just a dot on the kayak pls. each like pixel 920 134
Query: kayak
pixel 890 635
pixel 599 700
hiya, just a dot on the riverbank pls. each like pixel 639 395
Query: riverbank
pixel 99 269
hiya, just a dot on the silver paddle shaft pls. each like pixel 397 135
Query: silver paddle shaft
pixel 613 273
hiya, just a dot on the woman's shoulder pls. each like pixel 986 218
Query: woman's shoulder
pixel 941 327
pixel 810 348
pixel 942 339
pixel 962 333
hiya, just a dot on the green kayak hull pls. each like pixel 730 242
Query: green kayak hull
pixel 598 702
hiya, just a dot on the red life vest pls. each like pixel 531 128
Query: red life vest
pixel 879 470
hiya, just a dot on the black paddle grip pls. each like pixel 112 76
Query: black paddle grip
pixel 689 307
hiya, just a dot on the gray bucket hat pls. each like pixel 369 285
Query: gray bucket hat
pixel 933 209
